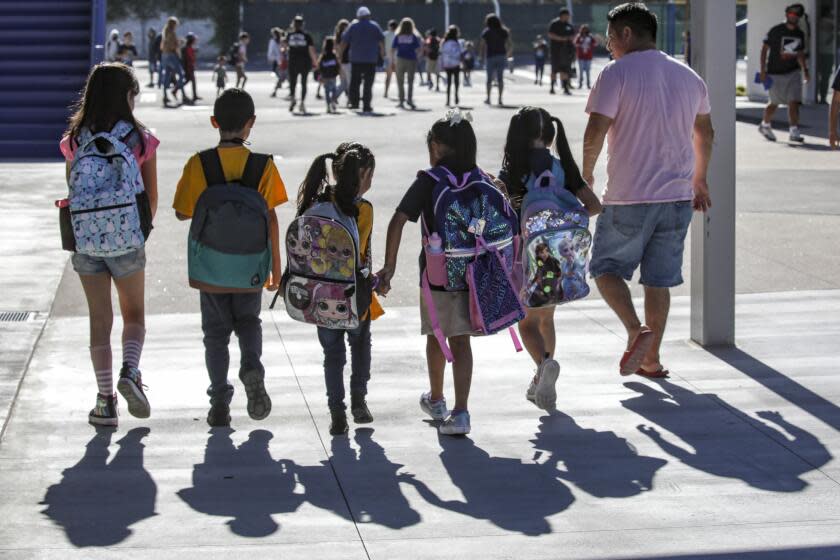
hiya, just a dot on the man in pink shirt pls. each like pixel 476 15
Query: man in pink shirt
pixel 654 113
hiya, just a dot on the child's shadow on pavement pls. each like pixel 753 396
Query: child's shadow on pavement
pixel 598 462
pixel 369 480
pixel 512 494
pixel 97 502
pixel 244 483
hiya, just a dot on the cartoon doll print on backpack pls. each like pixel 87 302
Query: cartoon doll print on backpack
pixel 556 242
pixel 107 204
pixel 327 283
pixel 472 245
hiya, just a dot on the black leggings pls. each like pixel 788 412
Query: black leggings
pixel 453 75
pixel 293 76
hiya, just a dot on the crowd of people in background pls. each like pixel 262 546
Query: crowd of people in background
pixel 345 62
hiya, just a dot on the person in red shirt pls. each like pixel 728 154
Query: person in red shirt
pixel 189 63
pixel 585 44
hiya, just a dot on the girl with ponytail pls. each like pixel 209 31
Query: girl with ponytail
pixel 352 166
pixel 527 152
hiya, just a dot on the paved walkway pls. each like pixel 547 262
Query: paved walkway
pixel 731 458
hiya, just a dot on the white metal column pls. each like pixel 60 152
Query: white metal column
pixel 713 235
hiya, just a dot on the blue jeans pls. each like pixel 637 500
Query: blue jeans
pixel 650 236
pixel 171 64
pixel 330 91
pixel 585 68
pixel 496 70
pixel 221 315
pixel 335 358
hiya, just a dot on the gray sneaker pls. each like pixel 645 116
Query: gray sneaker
pixel 457 425
pixel 437 410
pixel 545 395
pixel 131 388
pixel 767 132
pixel 795 135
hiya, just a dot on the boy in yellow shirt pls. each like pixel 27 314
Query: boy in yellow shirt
pixel 224 313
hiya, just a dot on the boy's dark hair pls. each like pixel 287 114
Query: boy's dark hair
pixel 635 15
pixel 233 109
pixel 459 140
pixel 565 12
pixel 392 24
pixel 492 21
pixel 348 160
pixel 244 35
pixel 527 125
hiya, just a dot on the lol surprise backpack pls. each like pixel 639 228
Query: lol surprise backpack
pixel 107 205
pixel 229 245
pixel 476 230
pixel 556 241
pixel 328 282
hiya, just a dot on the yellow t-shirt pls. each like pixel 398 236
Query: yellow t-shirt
pixel 365 224
pixel 193 182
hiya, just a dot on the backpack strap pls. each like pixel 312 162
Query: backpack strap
pixel 254 169
pixel 211 163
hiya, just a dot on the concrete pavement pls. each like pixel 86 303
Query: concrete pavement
pixel 733 457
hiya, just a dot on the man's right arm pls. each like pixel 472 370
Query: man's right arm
pixel 593 144
pixel 765 48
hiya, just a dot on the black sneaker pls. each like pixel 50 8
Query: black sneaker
pixel 338 426
pixel 130 387
pixel 219 415
pixel 359 409
pixel 105 411
pixel 259 403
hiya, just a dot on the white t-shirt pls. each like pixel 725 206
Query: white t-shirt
pixel 389 44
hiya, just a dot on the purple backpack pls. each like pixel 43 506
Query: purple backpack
pixel 478 232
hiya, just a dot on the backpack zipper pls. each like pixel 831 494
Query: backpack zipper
pixel 102 208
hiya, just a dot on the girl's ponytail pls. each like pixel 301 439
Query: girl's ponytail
pixel 315 179
pixel 346 169
pixel 574 180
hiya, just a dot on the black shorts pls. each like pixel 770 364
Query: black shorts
pixel 561 63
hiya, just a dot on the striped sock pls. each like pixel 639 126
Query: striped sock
pixel 100 356
pixel 133 337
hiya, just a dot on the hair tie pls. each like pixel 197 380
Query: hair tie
pixel 456 116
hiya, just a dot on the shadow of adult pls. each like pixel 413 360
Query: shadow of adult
pixel 244 483
pixel 97 502
pixel 369 480
pixel 599 463
pixel 723 441
pixel 512 495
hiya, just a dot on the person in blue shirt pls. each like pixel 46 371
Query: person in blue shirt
pixel 366 42
pixel 407 47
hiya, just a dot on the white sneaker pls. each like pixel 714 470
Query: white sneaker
pixel 437 410
pixel 767 132
pixel 457 425
pixel 531 391
pixel 545 395
pixel 795 135
pixel 302 108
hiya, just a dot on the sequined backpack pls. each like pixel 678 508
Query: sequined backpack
pixel 556 241
pixel 478 231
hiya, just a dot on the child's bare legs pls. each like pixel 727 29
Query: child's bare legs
pixel 130 290
pixel 537 330
pixel 97 288
pixel 436 362
pixel 462 367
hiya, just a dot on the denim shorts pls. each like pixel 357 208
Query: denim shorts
pixel 648 235
pixel 117 267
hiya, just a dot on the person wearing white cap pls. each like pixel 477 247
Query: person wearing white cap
pixel 366 42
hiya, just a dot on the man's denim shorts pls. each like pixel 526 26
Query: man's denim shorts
pixel 648 235
pixel 117 267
